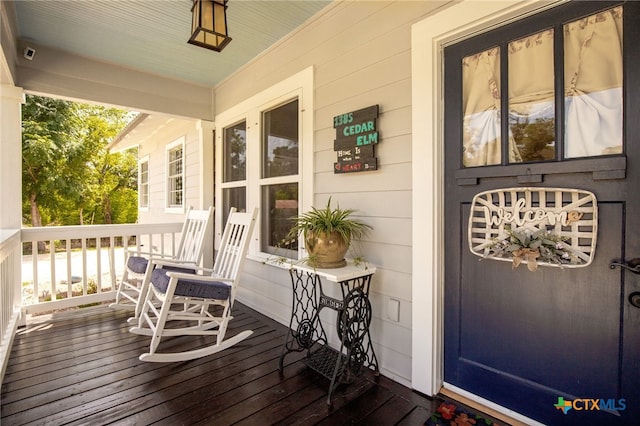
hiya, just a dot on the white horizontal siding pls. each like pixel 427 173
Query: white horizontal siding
pixel 155 147
pixel 192 166
pixel 266 289
pixel 361 53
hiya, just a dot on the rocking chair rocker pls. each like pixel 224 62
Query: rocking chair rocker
pixel 139 266
pixel 195 294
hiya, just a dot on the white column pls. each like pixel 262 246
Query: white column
pixel 11 99
pixel 206 131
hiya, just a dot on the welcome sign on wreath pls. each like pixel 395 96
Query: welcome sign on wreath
pixel 536 226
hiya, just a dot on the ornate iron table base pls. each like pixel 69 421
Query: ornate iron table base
pixel 307 333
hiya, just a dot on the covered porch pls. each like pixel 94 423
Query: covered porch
pixel 198 85
pixel 334 57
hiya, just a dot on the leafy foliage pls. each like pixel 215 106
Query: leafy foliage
pixel 68 175
pixel 329 220
pixel 535 138
pixel 533 246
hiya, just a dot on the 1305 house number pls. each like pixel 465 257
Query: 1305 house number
pixel 342 119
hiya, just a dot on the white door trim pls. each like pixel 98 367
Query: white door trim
pixel 428 38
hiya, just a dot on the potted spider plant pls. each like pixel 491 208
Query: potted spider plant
pixel 327 234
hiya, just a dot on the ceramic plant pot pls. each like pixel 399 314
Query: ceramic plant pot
pixel 326 250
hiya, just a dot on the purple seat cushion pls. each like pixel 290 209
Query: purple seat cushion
pixel 191 288
pixel 137 264
pixel 178 269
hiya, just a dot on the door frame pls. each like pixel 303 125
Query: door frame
pixel 428 39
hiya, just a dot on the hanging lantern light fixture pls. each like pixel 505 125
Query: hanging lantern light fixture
pixel 209 24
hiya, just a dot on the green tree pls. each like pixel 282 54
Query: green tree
pixel 44 128
pixel 114 189
pixel 69 177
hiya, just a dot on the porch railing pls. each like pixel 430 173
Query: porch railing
pixel 69 266
pixel 9 292
pixel 51 268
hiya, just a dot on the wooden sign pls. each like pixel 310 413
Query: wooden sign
pixel 535 226
pixel 356 137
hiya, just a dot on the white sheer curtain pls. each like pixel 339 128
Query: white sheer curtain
pixel 532 117
pixel 481 109
pixel 593 84
pixel 593 91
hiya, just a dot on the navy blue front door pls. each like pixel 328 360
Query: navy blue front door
pixel 558 345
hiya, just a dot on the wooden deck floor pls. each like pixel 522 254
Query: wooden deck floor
pixel 82 367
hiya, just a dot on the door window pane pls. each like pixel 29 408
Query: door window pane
pixel 593 84
pixel 280 141
pixel 235 152
pixel 591 96
pixel 481 108
pixel 531 98
pixel 279 207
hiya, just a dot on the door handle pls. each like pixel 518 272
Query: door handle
pixel 632 265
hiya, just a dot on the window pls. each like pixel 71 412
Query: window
pixel 280 140
pixel 143 183
pixel 175 175
pixel 266 157
pixel 233 197
pixel 235 152
pixel 545 89
pixel 279 183
pixel 234 165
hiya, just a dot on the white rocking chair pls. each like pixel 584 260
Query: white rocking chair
pixel 195 294
pixel 139 265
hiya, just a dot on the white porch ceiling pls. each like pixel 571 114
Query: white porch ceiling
pixel 151 35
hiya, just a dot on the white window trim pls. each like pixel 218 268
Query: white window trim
pixel 168 208
pixel 142 160
pixel 298 86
